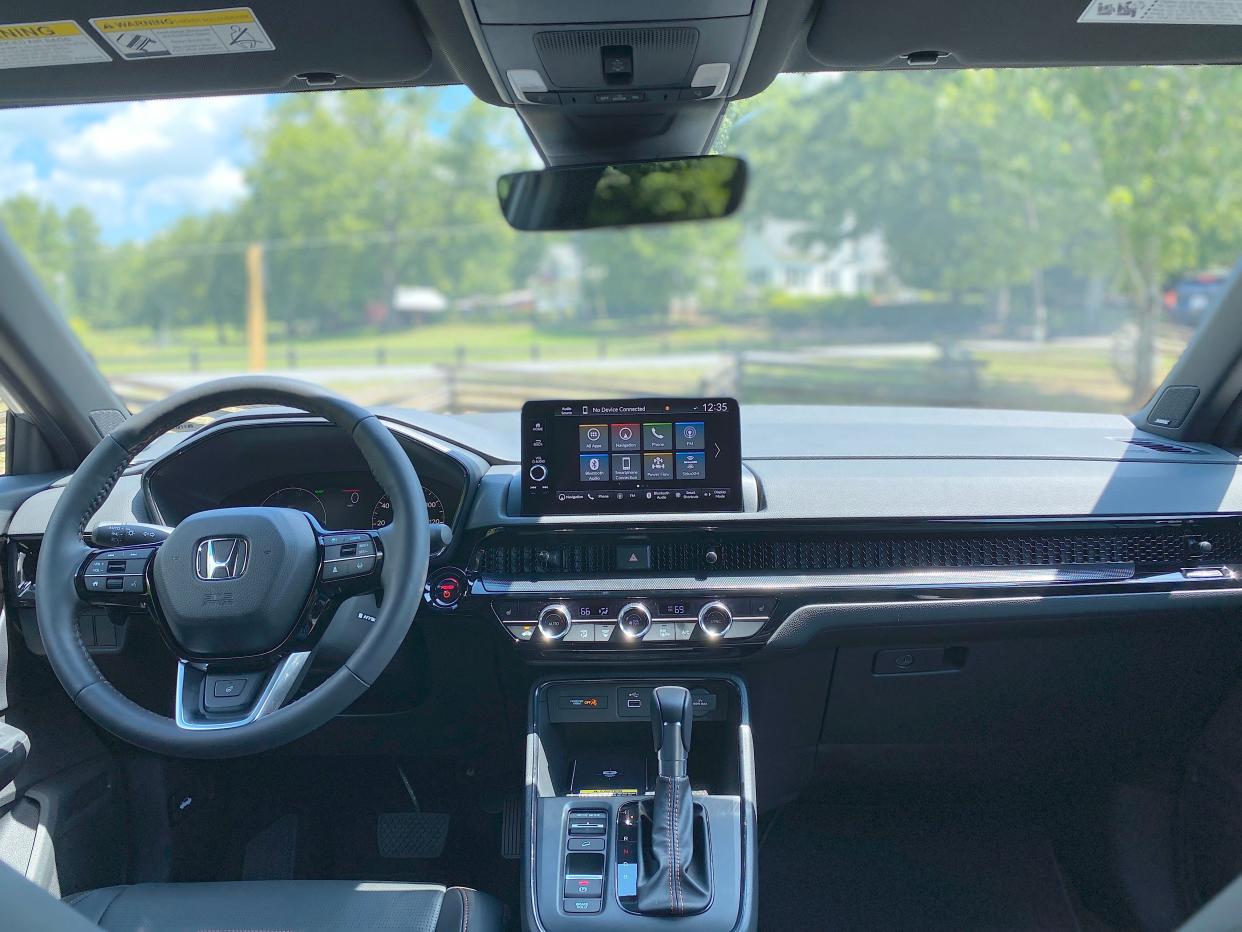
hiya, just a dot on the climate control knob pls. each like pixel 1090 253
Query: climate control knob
pixel 634 619
pixel 715 619
pixel 554 622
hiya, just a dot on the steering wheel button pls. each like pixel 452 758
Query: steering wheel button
pixel 96 583
pixel 97 568
pixel 116 583
pixel 135 584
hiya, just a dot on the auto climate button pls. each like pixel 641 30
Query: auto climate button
pixel 554 622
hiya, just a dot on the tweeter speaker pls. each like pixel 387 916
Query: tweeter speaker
pixel 1173 406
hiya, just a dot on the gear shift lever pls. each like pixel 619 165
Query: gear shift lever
pixel 673 873
pixel 671 719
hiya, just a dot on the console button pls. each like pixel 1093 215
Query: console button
pixel 715 619
pixel 685 629
pixel 702 701
pixel 581 634
pixel 634 620
pixel 634 557
pixel 587 701
pixel 583 887
pixel 586 843
pixel 743 629
pixel 523 631
pixel 583 905
pixel 604 633
pixel 554 622
pixel 662 631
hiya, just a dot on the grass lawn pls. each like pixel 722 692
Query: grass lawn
pixel 135 350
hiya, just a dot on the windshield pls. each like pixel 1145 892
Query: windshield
pixel 1024 239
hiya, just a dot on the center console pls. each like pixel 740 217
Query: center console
pixel 640 807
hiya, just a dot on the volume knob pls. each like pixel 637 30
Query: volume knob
pixel 715 619
pixel 634 619
pixel 554 622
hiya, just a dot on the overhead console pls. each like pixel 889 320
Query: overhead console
pixel 658 71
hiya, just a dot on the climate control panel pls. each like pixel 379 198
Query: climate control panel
pixel 638 622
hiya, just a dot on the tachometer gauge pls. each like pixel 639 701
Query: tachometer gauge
pixel 299 499
pixel 381 514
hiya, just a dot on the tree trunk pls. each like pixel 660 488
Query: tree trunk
pixel 1145 349
pixel 1039 307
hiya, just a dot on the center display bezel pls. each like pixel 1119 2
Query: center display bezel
pixel 568 452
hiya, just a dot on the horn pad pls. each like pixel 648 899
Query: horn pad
pixel 260 564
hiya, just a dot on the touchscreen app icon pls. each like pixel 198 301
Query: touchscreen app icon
pixel 627 436
pixel 689 435
pixel 593 468
pixel 626 468
pixel 658 436
pixel 592 438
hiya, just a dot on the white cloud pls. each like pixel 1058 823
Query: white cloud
pixel 136 165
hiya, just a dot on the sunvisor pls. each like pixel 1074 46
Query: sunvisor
pixel 72 52
pixel 867 34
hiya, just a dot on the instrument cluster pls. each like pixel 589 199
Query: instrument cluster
pixel 337 500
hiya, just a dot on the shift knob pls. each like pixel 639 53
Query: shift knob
pixel 671 718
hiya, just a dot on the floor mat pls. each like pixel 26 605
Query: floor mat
pixel 840 868
pixel 335 807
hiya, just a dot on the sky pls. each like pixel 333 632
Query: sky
pixel 138 166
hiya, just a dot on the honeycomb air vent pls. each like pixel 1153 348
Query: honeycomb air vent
pixel 774 552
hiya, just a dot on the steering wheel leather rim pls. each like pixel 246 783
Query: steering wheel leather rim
pixel 403 573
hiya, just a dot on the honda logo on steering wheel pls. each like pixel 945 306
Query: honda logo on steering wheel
pixel 221 558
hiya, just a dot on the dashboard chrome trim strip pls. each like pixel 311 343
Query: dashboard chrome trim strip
pixel 905 579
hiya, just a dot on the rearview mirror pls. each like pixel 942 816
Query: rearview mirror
pixel 629 194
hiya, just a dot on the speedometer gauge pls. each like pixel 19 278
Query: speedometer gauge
pixel 299 499
pixel 381 514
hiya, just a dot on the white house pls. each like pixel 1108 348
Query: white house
pixel 773 257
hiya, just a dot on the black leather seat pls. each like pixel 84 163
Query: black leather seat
pixel 290 906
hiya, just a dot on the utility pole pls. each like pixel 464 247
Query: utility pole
pixel 256 309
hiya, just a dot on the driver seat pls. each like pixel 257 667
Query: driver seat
pixel 290 906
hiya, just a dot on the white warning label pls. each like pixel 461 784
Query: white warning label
pixel 1165 12
pixel 39 45
pixel 170 35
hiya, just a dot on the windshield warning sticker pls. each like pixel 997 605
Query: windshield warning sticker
pixel 170 35
pixel 38 45
pixel 1165 12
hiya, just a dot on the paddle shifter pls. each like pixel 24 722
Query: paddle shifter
pixel 673 875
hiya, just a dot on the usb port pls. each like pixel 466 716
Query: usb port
pixel 633 703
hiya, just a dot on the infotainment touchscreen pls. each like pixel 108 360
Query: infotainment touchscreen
pixel 631 455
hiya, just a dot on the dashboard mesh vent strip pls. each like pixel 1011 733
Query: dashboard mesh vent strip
pixel 809 553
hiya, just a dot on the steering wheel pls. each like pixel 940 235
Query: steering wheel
pixel 241 595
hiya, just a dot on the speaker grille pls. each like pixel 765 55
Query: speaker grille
pixel 1173 406
pixel 662 55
